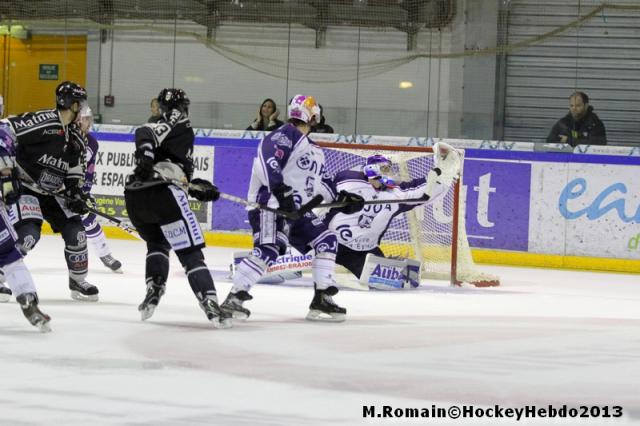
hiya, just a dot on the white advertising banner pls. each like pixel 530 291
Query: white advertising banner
pixel 582 209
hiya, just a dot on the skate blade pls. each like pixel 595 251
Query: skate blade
pixel 117 271
pixel 76 295
pixel 4 297
pixel 146 313
pixel 225 323
pixel 315 315
pixel 44 327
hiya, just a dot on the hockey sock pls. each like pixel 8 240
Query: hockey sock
pixel 323 269
pixel 19 278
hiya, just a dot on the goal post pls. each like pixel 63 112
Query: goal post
pixel 433 233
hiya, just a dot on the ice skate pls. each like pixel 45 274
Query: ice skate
pixel 111 263
pixel 233 305
pixel 29 305
pixel 323 308
pixel 215 314
pixel 83 291
pixel 151 300
pixel 5 293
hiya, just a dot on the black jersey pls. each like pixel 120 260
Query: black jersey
pixel 170 138
pixel 41 149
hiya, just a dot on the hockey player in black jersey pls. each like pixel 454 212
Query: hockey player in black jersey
pixel 156 196
pixel 50 153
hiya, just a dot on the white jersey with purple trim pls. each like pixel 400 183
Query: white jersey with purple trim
pixel 287 156
pixel 362 231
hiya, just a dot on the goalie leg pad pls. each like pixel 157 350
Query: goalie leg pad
pixel 412 272
pixel 382 273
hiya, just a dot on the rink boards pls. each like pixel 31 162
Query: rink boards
pixel 575 210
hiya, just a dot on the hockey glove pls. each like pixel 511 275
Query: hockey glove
pixel 144 165
pixel 355 202
pixel 77 200
pixel 203 190
pixel 284 195
pixel 10 186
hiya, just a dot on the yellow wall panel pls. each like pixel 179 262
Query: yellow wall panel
pixel 23 88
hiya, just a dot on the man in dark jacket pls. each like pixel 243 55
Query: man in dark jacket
pixel 581 126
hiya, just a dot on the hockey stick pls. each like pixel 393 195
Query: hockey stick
pixel 119 223
pixel 371 202
pixel 304 209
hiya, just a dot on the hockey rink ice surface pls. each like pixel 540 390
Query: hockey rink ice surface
pixel 544 337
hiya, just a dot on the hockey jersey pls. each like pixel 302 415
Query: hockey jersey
pixel 90 154
pixel 288 156
pixel 362 231
pixel 170 138
pixel 41 149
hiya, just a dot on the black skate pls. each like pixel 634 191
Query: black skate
pixel 217 316
pixel 5 293
pixel 323 308
pixel 233 305
pixel 29 305
pixel 83 291
pixel 151 300
pixel 111 263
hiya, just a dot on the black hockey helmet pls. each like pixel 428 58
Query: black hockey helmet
pixel 173 98
pixel 69 92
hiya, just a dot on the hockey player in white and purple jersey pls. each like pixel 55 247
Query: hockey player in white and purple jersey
pixel 95 235
pixel 359 234
pixel 15 271
pixel 288 171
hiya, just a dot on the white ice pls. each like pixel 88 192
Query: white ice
pixel 543 337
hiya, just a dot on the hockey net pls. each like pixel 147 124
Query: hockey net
pixel 433 233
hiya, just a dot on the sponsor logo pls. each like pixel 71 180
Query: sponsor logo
pixel 609 199
pixel 54 162
pixel 364 221
pixel 281 139
pixel 634 243
pixel 35 119
pixel 4 235
pixel 78 257
pixel 273 163
pixel 389 273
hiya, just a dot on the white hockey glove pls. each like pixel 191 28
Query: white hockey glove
pixel 449 161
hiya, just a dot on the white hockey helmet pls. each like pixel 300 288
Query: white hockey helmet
pixel 303 108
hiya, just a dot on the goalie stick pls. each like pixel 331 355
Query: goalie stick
pixel 119 223
pixel 370 202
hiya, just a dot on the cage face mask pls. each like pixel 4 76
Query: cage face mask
pixel 379 167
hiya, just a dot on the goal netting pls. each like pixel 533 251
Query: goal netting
pixel 433 233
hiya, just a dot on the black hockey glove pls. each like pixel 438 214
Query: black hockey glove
pixel 144 165
pixel 355 202
pixel 77 201
pixel 10 186
pixel 284 195
pixel 203 190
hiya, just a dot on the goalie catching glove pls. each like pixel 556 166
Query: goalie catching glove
pixel 203 190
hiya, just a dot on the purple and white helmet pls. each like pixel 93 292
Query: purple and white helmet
pixel 379 167
pixel 303 108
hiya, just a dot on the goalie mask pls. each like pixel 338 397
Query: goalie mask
pixel 303 108
pixel 379 168
pixel 173 98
